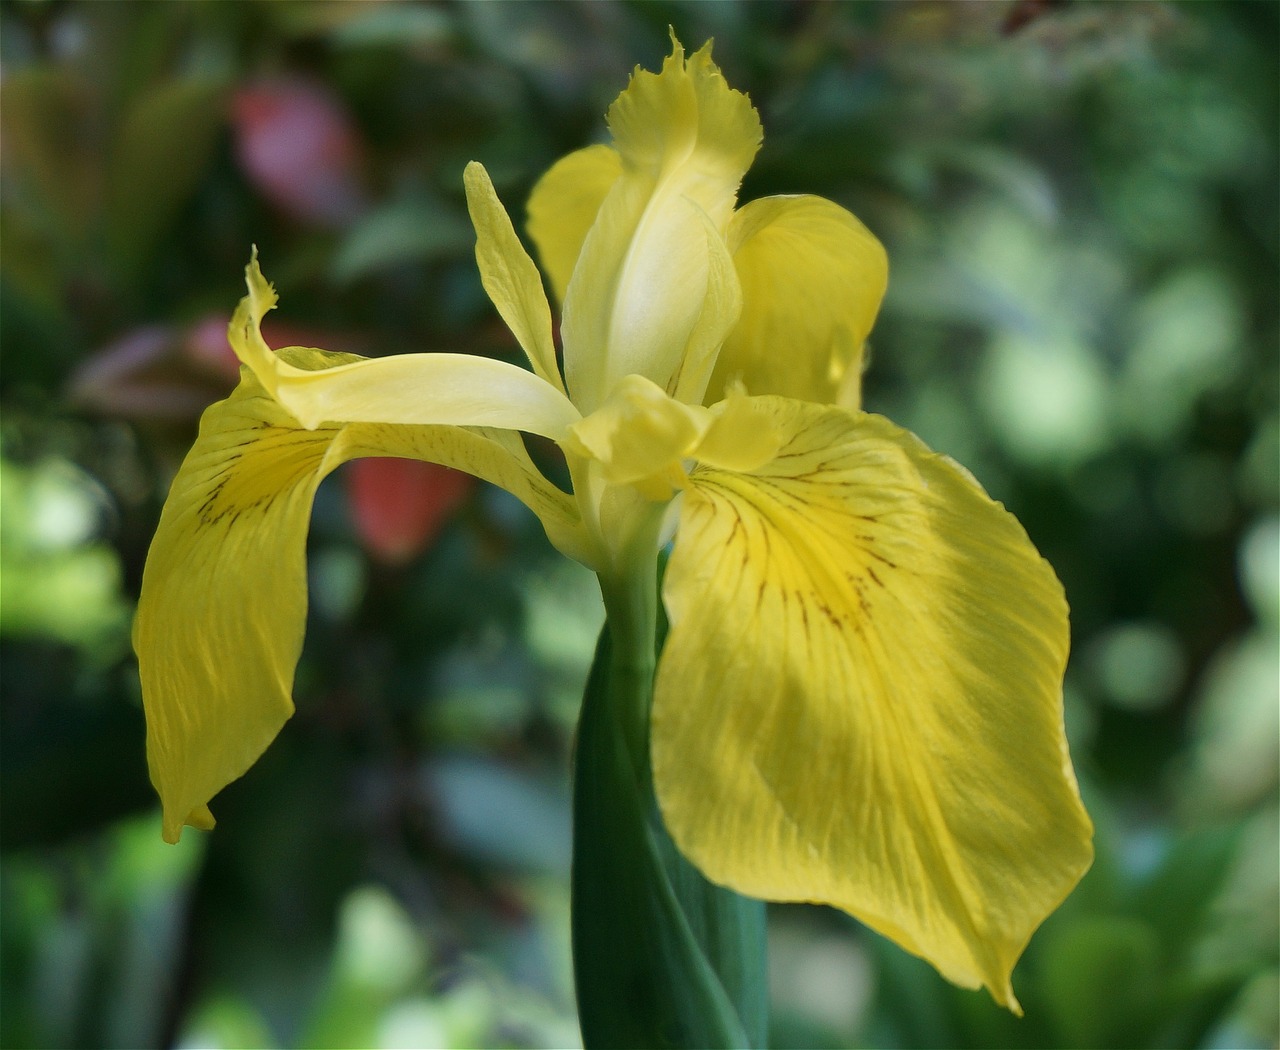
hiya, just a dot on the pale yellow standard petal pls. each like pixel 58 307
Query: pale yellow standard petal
pixel 220 619
pixel 721 308
pixel 638 289
pixel 859 701
pixel 563 208
pixel 510 276
pixel 406 389
pixel 812 280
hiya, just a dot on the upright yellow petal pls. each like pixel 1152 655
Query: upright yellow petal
pixel 859 702
pixel 510 276
pixel 720 310
pixel 409 389
pixel 684 139
pixel 563 208
pixel 812 279
pixel 688 123
pixel 221 615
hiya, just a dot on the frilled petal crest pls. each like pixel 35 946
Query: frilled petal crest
pixel 404 389
pixel 811 275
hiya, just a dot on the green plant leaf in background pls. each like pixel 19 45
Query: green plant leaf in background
pixel 408 229
pixel 1100 980
pixel 150 176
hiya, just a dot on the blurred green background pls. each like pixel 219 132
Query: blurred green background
pixel 1079 201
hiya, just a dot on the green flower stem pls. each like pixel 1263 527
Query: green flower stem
pixel 662 958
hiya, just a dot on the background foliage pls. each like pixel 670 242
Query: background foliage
pixel 1080 206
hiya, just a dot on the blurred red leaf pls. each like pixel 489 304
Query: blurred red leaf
pixel 300 149
pixel 399 506
pixel 172 373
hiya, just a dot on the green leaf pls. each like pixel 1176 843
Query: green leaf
pixel 730 928
pixel 159 156
pixel 1101 978
pixel 1177 898
pixel 408 230
pixel 662 958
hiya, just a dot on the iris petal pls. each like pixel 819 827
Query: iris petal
pixel 684 139
pixel 509 275
pixel 221 615
pixel 564 205
pixel 812 279
pixel 410 389
pixel 859 702
pixel 639 437
pixel 720 310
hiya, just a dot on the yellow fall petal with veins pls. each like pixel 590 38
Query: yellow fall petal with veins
pixel 859 701
pixel 220 620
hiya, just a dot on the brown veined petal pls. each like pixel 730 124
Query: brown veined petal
pixel 812 279
pixel 860 698
pixel 221 615
pixel 564 205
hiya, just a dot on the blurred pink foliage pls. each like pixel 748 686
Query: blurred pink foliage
pixel 300 148
pixel 176 371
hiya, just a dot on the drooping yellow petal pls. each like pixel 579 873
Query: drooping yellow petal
pixel 407 389
pixel 859 702
pixel 510 276
pixel 220 619
pixel 564 205
pixel 684 139
pixel 812 279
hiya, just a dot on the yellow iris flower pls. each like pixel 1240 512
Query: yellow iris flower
pixel 859 701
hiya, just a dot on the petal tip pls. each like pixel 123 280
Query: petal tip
pixel 201 818
pixel 261 291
